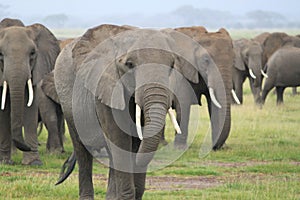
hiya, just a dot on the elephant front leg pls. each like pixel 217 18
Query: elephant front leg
pixel 183 118
pixel 5 137
pixel 30 128
pixel 279 92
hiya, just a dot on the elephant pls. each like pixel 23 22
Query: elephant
pixel 116 80
pixel 275 41
pixel 219 46
pixel 283 70
pixel 27 53
pixel 248 64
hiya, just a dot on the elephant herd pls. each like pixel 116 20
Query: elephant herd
pixel 273 57
pixel 115 85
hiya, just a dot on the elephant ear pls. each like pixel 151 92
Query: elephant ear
pixel 238 59
pixel 94 56
pixel 7 22
pixel 184 49
pixel 48 87
pixel 47 51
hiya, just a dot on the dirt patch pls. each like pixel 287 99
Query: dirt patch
pixel 181 183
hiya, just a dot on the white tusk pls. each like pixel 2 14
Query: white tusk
pixel 236 99
pixel 213 98
pixel 174 121
pixel 138 121
pixel 4 91
pixel 30 92
pixel 264 74
pixel 252 74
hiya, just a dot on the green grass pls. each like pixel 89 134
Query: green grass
pixel 261 160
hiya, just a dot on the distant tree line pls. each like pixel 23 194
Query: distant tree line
pixel 183 16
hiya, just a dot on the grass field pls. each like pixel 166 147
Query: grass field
pixel 261 159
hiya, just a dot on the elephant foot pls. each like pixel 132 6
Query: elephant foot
pixel 34 163
pixel 6 162
pixel 58 150
pixel 21 145
pixel 180 145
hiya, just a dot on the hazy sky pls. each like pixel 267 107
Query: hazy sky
pixel 149 7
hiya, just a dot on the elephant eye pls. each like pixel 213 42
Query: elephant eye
pixel 129 64
pixel 32 53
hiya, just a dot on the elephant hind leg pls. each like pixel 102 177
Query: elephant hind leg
pixel 279 92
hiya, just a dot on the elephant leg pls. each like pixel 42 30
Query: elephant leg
pixel 47 109
pixel 139 182
pixel 279 92
pixel 182 117
pixel 85 164
pixel 294 91
pixel 5 136
pixel 30 128
pixel 238 80
pixel 267 88
pixel 139 178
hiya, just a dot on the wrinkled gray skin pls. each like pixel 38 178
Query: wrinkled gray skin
pixel 26 52
pixel 219 46
pixel 283 69
pixel 248 55
pixel 51 115
pixel 115 114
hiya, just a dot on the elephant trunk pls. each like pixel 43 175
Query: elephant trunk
pixel 155 107
pixel 17 93
pixel 257 81
pixel 220 116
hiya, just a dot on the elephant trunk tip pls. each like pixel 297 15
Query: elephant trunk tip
pixel 21 145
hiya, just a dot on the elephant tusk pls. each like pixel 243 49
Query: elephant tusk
pixel 138 121
pixel 4 91
pixel 236 99
pixel 264 74
pixel 174 121
pixel 213 98
pixel 252 74
pixel 30 92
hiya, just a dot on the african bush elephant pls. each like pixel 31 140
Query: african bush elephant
pixel 27 53
pixel 117 80
pixel 219 46
pixel 247 64
pixel 283 70
pixel 275 41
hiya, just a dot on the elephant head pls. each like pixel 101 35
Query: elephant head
pixel 131 63
pixel 219 46
pixel 26 55
pixel 248 59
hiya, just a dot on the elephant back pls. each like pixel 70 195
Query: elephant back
pixel 92 37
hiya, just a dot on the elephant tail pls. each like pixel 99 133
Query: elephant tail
pixel 67 168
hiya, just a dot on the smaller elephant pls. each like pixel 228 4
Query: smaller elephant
pixel 283 70
pixel 247 64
